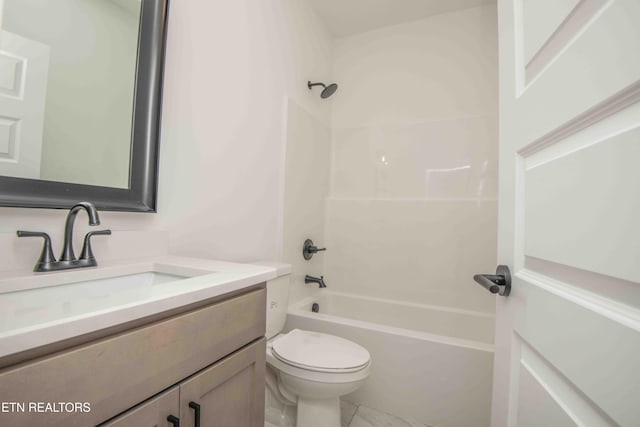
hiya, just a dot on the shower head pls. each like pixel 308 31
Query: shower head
pixel 327 91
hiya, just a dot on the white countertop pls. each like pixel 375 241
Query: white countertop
pixel 37 309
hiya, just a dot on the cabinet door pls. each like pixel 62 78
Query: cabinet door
pixel 152 413
pixel 230 393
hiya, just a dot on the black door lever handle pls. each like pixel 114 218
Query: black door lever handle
pixel 499 283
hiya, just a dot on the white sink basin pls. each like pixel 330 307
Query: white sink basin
pixel 71 293
pixel 116 284
pixel 91 288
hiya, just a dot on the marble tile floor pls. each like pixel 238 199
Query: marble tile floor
pixel 362 416
pixel 353 415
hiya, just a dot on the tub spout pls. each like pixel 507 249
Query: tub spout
pixel 318 280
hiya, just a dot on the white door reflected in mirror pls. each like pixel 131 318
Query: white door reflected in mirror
pixel 74 123
pixel 22 109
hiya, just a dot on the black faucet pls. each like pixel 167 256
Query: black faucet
pixel 68 260
pixel 94 219
pixel 319 281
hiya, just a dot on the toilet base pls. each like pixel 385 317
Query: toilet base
pixel 318 412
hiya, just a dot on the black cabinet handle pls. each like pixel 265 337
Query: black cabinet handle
pixel 174 420
pixel 193 405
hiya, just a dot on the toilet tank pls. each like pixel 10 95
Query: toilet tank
pixel 277 302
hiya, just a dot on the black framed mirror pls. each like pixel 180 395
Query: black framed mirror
pixel 140 193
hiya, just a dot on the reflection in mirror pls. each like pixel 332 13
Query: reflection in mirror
pixel 67 116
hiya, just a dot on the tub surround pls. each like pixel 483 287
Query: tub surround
pixel 412 212
pixel 47 322
pixel 451 326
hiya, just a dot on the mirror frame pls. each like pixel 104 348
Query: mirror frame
pixel 141 196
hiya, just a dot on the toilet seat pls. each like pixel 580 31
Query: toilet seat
pixel 320 352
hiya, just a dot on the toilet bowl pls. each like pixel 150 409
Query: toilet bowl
pixel 305 369
pixel 314 370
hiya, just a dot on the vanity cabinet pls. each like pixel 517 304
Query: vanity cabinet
pixel 229 393
pixel 212 354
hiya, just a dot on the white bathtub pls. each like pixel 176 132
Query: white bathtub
pixel 430 363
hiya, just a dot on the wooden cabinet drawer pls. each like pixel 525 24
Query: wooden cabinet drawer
pixel 115 373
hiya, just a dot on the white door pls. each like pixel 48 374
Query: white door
pixel 24 68
pixel 568 336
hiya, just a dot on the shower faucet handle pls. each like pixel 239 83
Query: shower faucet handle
pixel 308 249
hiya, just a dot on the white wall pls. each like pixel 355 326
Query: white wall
pixel 229 66
pixel 412 210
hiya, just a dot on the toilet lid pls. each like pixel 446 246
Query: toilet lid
pixel 320 352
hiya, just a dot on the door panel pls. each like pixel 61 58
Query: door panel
pixel 590 350
pixel 563 36
pixel 547 398
pixel 24 67
pixel 540 20
pixel 568 336
pixel 591 206
pixel 598 59
pixel 541 406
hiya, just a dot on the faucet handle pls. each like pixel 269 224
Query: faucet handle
pixel 46 257
pixel 308 249
pixel 87 253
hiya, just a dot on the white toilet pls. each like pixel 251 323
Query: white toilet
pixel 309 370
